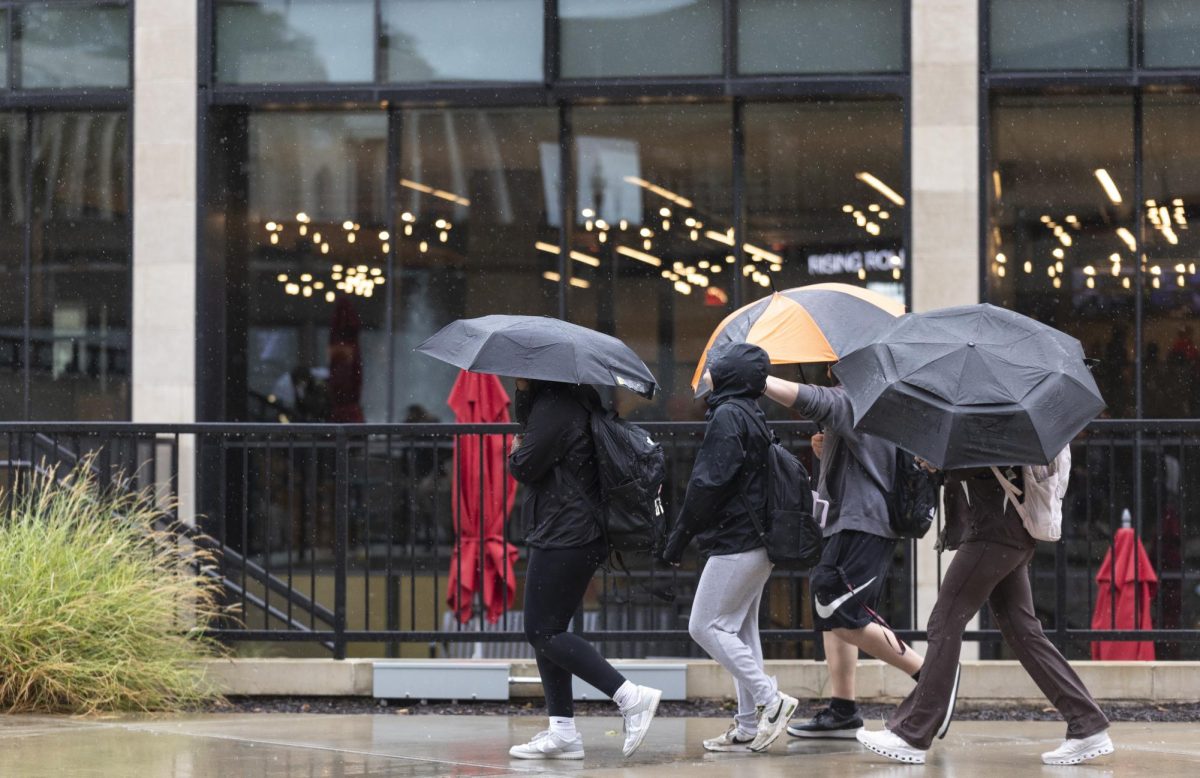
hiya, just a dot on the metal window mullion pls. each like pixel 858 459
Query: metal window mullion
pixel 729 38
pixel 1136 44
pixel 1139 278
pixel 28 259
pixel 11 43
pixel 566 203
pixel 394 120
pixel 381 45
pixel 550 42
pixel 738 140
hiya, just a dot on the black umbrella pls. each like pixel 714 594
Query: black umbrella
pixel 542 348
pixel 972 386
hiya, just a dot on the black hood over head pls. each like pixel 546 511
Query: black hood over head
pixel 739 371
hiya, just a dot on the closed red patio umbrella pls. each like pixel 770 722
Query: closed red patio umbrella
pixel 1127 583
pixel 483 496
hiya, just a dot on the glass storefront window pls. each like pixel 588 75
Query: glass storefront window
pixel 615 38
pixel 1170 335
pixel 477 232
pixel 1062 234
pixel 1171 33
pixel 463 40
pixel 820 36
pixel 825 195
pixel 309 267
pixel 1059 34
pixel 653 206
pixel 295 41
pixel 79 282
pixel 60 45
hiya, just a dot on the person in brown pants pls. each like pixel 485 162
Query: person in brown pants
pixel 992 565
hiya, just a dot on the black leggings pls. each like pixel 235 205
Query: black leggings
pixel 555 584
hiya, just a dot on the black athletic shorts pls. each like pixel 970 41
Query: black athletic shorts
pixel 849 578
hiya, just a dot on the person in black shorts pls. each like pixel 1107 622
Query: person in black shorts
pixel 859 544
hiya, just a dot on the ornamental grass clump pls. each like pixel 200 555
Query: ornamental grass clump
pixel 101 609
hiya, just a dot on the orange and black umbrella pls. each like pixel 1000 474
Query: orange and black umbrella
pixel 817 323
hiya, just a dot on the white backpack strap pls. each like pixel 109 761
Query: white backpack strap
pixel 1011 493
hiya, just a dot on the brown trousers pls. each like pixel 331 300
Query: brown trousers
pixel 998 574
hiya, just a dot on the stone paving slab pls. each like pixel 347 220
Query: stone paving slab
pixel 272 745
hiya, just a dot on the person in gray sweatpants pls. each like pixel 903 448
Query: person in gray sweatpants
pixel 728 483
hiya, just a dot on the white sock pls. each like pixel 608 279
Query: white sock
pixel 563 727
pixel 627 696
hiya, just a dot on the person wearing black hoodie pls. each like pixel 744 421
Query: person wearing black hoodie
pixel 555 458
pixel 728 481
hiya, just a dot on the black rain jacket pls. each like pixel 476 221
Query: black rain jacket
pixel 732 459
pixel 556 446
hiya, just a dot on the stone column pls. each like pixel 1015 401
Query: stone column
pixel 164 220
pixel 945 188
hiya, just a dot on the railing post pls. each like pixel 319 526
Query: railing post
pixel 341 540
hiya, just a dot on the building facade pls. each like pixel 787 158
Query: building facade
pixel 210 207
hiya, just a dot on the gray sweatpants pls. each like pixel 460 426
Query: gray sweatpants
pixel 724 622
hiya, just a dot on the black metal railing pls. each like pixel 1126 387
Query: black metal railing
pixel 344 537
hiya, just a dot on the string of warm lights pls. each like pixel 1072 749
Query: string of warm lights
pixel 1164 219
pixel 361 279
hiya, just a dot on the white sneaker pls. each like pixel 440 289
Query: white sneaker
pixel 638 717
pixel 1079 749
pixel 733 740
pixel 773 720
pixel 547 745
pixel 885 743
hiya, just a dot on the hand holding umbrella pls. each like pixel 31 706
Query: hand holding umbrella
pixel 972 386
pixel 815 323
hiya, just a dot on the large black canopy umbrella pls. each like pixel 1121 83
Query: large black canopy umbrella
pixel 539 347
pixel 972 386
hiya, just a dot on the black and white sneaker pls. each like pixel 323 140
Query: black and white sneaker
pixel 945 727
pixel 828 725
pixel 734 739
pixel 773 720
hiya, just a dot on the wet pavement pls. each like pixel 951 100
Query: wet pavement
pixel 395 745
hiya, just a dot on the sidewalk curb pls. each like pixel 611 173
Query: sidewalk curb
pixel 998 681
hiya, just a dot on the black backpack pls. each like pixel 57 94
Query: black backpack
pixel 632 470
pixel 792 536
pixel 913 499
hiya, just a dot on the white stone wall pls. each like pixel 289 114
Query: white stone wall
pixel 945 192
pixel 164 219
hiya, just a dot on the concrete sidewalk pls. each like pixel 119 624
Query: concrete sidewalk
pixel 396 745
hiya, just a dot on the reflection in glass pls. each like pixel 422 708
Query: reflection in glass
pixel 610 38
pixel 652 237
pixel 477 231
pixel 463 40
pixel 313 282
pixel 1171 337
pixel 295 41
pixel 821 36
pixel 824 194
pixel 79 308
pixel 73 45
pixel 1171 33
pixel 12 266
pixel 1061 231
pixel 1059 34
